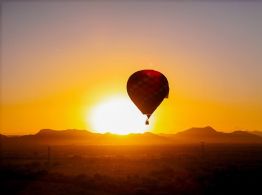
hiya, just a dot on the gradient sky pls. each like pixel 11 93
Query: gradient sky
pixel 58 59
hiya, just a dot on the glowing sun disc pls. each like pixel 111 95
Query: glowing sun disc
pixel 117 115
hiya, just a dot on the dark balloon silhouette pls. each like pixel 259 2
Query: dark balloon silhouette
pixel 147 89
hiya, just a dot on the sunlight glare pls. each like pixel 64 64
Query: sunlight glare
pixel 118 115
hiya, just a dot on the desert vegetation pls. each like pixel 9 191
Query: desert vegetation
pixel 152 170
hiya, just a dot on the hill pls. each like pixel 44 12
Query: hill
pixel 83 137
pixel 210 135
pixel 259 133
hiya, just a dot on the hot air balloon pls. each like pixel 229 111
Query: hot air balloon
pixel 147 89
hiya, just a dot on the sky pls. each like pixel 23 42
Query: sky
pixel 60 59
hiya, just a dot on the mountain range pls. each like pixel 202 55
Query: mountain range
pixel 83 137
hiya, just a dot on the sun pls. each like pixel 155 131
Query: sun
pixel 117 115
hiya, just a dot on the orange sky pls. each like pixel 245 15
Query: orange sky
pixel 60 59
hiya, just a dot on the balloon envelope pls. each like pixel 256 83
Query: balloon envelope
pixel 147 89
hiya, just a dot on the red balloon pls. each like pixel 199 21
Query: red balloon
pixel 147 89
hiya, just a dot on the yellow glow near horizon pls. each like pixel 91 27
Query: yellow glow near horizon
pixel 60 59
pixel 117 115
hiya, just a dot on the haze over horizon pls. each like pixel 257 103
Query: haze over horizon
pixel 200 129
pixel 59 60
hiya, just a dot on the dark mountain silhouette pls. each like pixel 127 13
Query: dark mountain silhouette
pixel 79 137
pixel 210 135
pixel 62 134
pixel 2 136
pixel 196 131
pixel 259 133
